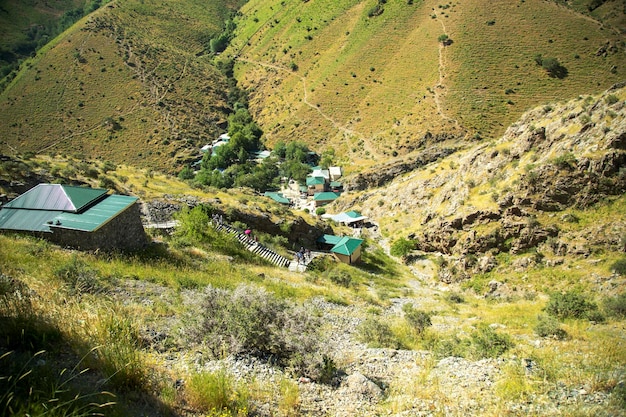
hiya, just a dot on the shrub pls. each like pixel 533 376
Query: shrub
pixel 186 173
pixel 252 321
pixel 565 161
pixel 615 306
pixel 548 326
pixel 455 298
pixel 418 320
pixel 377 334
pixel 443 347
pixel 487 343
pixel 322 263
pixel 320 211
pixel 552 66
pixel 402 247
pixel 619 266
pixel 340 277
pixel 611 99
pixel 570 305
pixel 106 182
pixel 327 370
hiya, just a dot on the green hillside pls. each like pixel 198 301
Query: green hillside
pixel 135 83
pixel 372 79
pixel 28 25
pixel 129 83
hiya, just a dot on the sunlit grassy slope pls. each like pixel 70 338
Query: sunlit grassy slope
pixel 331 74
pixel 129 84
pixel 132 82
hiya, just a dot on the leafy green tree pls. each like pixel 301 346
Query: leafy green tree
pixel 327 158
pixel 402 247
pixel 296 170
pixel 186 173
pixel 280 150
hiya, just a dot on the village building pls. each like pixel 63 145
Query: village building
pixel 321 199
pixel 344 248
pixel 334 173
pixel 349 218
pixel 316 185
pixel 77 217
pixel 278 197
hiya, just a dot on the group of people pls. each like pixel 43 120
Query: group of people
pixel 303 255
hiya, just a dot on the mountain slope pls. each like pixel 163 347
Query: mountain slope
pixel 550 190
pixel 129 83
pixel 376 84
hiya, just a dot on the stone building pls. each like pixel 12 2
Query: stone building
pixel 77 217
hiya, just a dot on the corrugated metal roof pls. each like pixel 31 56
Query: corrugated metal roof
pixel 26 220
pixel 347 245
pixel 278 197
pixel 326 196
pixel 329 239
pixel 315 180
pixel 96 216
pixel 56 197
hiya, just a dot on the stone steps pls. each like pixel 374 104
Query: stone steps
pixel 254 246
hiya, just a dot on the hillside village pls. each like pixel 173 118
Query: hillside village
pixel 268 208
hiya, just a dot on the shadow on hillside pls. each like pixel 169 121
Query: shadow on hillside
pixel 41 368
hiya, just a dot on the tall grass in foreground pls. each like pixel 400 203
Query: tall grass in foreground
pixel 30 386
pixel 218 394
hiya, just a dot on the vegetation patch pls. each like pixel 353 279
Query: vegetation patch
pixel 251 321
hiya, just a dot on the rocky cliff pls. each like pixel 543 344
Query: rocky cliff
pixel 519 194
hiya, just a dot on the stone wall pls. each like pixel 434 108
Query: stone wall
pixel 123 232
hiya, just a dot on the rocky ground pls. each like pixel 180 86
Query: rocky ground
pixel 369 381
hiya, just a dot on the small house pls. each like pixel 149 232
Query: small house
pixel 278 197
pixel 77 217
pixel 350 218
pixel 324 198
pixel 335 173
pixel 315 185
pixel 344 248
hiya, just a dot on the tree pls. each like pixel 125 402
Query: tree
pixel 444 39
pixel 327 158
pixel 186 173
pixel 280 149
pixel 401 247
pixel 552 66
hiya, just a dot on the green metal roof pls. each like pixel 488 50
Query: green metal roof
pixel 343 245
pixel 96 216
pixel 315 181
pixel 63 206
pixel 347 245
pixel 327 196
pixel 354 214
pixel 29 220
pixel 329 239
pixel 56 197
pixel 278 197
pixel 335 184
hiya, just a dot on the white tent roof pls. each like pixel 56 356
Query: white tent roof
pixel 343 218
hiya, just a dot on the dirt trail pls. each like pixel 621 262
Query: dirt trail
pixel 440 87
pixel 343 129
